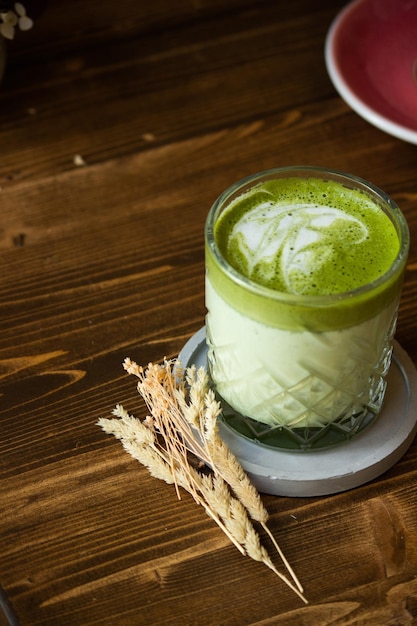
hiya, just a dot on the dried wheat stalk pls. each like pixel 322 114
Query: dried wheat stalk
pixel 183 421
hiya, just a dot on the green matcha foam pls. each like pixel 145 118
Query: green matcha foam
pixel 287 251
pixel 307 237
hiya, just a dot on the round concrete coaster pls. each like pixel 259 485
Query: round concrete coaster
pixel 332 470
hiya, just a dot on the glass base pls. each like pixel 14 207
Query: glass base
pixel 282 437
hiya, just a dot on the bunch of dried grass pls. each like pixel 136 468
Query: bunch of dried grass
pixel 183 425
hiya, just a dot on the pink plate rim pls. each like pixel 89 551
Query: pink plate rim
pixel 346 91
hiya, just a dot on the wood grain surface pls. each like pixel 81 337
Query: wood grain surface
pixel 120 123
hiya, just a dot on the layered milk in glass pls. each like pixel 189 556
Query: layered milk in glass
pixel 304 271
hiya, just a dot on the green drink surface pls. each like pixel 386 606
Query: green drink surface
pixel 307 237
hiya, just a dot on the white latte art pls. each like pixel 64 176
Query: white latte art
pixel 294 240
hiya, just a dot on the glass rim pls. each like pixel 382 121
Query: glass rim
pixel 377 194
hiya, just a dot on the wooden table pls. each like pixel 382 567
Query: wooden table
pixel 119 126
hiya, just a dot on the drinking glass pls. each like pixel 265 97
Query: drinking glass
pixel 294 371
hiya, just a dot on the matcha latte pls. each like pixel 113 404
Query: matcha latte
pixel 304 271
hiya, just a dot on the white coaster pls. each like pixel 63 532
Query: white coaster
pixel 332 470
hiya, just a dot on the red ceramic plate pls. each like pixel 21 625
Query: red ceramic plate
pixel 371 57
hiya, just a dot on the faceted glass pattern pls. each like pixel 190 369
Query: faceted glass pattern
pixel 359 409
